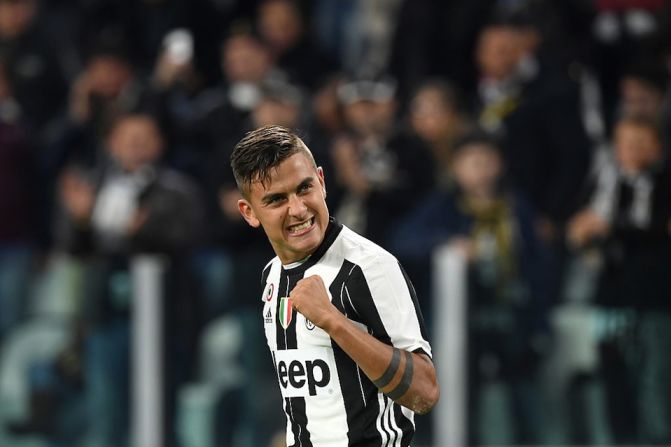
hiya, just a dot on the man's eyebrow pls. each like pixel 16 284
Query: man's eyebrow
pixel 269 197
pixel 306 181
pixel 272 196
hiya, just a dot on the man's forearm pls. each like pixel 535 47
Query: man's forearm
pixel 407 378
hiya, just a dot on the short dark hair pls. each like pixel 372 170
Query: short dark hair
pixel 651 124
pixel 476 137
pixel 261 151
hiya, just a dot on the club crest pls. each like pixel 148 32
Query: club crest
pixel 286 312
pixel 268 294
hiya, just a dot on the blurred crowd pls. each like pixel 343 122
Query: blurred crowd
pixel 530 135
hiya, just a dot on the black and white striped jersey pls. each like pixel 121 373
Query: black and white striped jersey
pixel 327 399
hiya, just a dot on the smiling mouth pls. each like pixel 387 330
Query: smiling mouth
pixel 302 227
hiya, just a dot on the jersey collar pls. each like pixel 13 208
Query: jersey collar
pixel 332 231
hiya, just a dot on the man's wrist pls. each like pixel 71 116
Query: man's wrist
pixel 333 324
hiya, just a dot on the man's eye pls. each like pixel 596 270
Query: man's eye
pixel 304 188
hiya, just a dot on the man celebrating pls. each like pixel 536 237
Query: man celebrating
pixel 340 315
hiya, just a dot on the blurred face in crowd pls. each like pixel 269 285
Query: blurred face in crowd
pixel 245 59
pixel 135 141
pixel 108 75
pixel 367 117
pixel 430 115
pixel 640 97
pixel 637 146
pixel 271 111
pixel 291 207
pixel 280 24
pixel 326 106
pixel 16 17
pixel 477 169
pixel 499 51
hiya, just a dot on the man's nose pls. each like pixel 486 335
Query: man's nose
pixel 297 206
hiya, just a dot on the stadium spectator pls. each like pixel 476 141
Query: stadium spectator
pixel 17 206
pixel 32 65
pixel 494 228
pixel 280 24
pixel 437 117
pixel 535 112
pixel 625 224
pixel 378 170
pixel 119 209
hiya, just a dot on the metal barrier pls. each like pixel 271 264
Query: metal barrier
pixel 450 344
pixel 147 415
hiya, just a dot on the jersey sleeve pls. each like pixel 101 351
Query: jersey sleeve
pixel 384 299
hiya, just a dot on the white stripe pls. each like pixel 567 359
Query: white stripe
pixel 286 293
pixel 349 298
pixel 342 303
pixel 387 425
pixel 395 427
pixel 378 421
pixel 363 396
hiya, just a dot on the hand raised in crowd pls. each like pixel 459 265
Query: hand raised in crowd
pixel 348 168
pixel 77 196
pixel 169 71
pixel 585 227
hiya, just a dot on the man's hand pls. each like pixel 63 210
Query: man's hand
pixel 586 226
pixel 77 196
pixel 311 299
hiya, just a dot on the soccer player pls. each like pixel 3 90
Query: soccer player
pixel 340 315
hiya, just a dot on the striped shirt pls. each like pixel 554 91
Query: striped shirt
pixel 328 400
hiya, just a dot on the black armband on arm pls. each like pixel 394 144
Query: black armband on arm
pixel 406 380
pixel 391 370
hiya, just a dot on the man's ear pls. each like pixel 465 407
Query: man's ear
pixel 322 182
pixel 248 213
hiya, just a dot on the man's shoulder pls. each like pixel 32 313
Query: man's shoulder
pixel 361 251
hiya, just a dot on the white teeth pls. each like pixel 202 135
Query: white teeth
pixel 300 227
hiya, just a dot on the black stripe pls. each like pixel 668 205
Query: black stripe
pixel 296 405
pixel 362 299
pixel 404 424
pixel 265 273
pixel 359 394
pixel 299 421
pixel 279 330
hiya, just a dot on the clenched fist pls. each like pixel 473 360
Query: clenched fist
pixel 311 299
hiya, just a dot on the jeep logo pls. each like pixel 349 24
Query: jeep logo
pixel 314 373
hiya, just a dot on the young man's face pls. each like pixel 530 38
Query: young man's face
pixel 636 147
pixel 291 208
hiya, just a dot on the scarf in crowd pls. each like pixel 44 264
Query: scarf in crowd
pixel 493 237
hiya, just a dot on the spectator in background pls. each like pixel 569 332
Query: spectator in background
pixel 535 113
pixel 626 225
pixel 106 86
pixel 643 89
pixel 17 201
pixel 222 110
pixel 494 229
pixel 128 204
pixel 32 66
pixel 378 170
pixel 281 25
pixel 437 118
